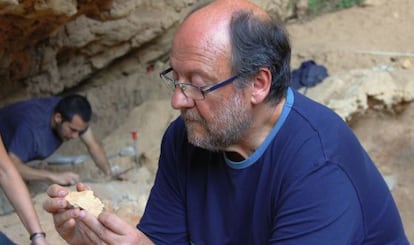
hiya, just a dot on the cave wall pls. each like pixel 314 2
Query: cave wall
pixel 49 46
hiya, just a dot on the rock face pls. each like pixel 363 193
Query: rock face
pixel 49 46
pixel 28 27
pixel 355 92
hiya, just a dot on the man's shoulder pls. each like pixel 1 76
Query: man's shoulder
pixel 33 113
pixel 43 104
pixel 45 100
pixel 34 102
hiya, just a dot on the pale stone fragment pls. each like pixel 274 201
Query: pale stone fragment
pixel 85 200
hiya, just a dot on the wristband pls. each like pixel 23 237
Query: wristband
pixel 36 234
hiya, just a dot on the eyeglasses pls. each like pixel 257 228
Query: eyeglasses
pixel 191 91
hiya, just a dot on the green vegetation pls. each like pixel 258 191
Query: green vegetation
pixel 320 6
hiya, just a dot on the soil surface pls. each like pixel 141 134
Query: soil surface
pixel 376 35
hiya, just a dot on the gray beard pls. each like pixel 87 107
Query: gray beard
pixel 228 128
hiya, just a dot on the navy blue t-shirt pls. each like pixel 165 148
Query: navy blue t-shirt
pixel 25 128
pixel 310 182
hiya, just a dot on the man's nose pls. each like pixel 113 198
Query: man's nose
pixel 180 101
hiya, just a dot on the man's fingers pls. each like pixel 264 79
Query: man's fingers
pixel 122 177
pixel 92 236
pixel 57 191
pixel 57 200
pixel 114 223
pixel 93 224
pixel 53 205
pixel 65 219
pixel 81 187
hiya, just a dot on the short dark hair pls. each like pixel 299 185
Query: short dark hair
pixel 72 105
pixel 259 42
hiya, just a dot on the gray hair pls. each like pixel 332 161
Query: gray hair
pixel 261 43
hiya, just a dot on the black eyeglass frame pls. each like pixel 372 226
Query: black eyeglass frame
pixel 203 90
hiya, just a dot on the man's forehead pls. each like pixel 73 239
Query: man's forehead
pixel 202 30
pixel 202 40
pixel 78 123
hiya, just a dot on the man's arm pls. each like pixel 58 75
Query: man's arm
pixel 96 151
pixel 28 173
pixel 18 195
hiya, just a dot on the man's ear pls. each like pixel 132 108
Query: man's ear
pixel 261 86
pixel 57 117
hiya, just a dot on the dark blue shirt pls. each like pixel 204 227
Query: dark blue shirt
pixel 310 182
pixel 25 128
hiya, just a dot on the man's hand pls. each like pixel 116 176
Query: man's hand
pixel 65 218
pixel 80 227
pixel 65 178
pixel 110 229
pixel 118 174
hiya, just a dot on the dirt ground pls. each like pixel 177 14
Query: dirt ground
pixel 379 34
